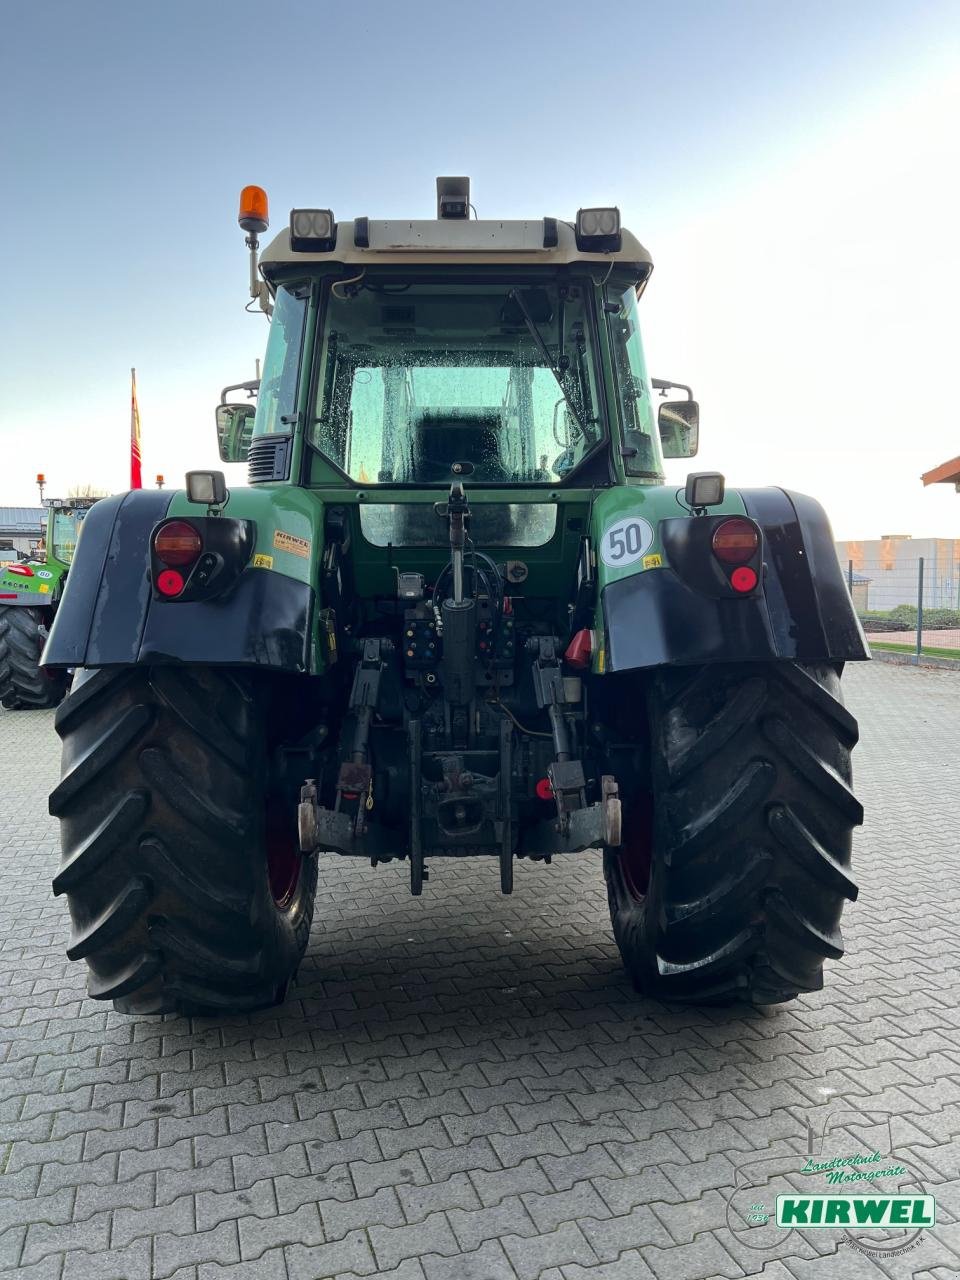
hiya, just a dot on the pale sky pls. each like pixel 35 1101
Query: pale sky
pixel 792 168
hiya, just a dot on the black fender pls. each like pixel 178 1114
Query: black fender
pixel 109 615
pixel 802 611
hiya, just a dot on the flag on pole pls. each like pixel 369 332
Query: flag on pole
pixel 136 481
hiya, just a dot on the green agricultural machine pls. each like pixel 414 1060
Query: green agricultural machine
pixel 457 612
pixel 30 594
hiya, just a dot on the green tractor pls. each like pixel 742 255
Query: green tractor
pixel 30 594
pixel 457 612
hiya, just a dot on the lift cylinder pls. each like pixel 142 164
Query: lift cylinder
pixel 459 651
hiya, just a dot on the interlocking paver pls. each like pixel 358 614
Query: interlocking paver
pixel 171 1252
pixel 93 1235
pixel 49 1268
pixel 132 1224
pixel 464 1086
pixel 478 1154
pixel 133 1262
pixel 269 1266
pixel 258 1201
pixel 94 1197
pixel 629 1266
pixel 339 1217
pixel 532 1254
pixel 216 1176
pixel 455 1192
pixel 488 1262
pixel 432 1235
pixel 473 1226
pixel 259 1234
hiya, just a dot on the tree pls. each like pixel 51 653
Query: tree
pixel 87 491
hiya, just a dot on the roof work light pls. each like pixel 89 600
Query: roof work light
pixel 598 230
pixel 703 489
pixel 312 230
pixel 206 487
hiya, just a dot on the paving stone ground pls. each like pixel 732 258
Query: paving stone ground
pixel 464 1087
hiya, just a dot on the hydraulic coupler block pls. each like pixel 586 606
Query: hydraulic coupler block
pixel 459 651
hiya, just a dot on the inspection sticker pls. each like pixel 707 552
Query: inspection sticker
pixel 263 562
pixel 43 588
pixel 289 542
pixel 625 542
pixel 652 562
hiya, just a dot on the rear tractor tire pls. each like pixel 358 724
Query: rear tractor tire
pixel 734 888
pixel 185 884
pixel 24 684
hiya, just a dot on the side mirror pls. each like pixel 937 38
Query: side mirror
pixel 235 431
pixel 679 424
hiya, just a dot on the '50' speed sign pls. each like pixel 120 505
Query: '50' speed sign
pixel 625 542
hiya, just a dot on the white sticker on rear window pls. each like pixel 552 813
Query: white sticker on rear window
pixel 626 542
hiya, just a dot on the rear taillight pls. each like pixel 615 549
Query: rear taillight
pixel 743 579
pixel 735 541
pixel 177 543
pixel 169 582
pixel 22 569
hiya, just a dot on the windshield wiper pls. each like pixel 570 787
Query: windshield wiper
pixel 536 335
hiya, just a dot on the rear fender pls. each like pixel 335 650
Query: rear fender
pixel 658 612
pixel 110 614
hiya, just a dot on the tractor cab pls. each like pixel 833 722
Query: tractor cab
pixel 510 346
pixel 64 519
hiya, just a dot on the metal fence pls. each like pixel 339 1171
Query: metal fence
pixel 908 606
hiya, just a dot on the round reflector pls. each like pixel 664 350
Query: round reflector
pixel 736 541
pixel 743 579
pixel 543 789
pixel 170 582
pixel 177 542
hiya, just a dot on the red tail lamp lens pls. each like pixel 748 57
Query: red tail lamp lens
pixel 170 582
pixel 743 579
pixel 543 789
pixel 735 541
pixel 177 543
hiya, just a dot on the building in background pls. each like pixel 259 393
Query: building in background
pixel 946 473
pixel 886 571
pixel 21 530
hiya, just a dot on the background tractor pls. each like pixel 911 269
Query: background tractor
pixel 30 593
pixel 456 613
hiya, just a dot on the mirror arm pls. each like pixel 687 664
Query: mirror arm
pixel 253 386
pixel 663 385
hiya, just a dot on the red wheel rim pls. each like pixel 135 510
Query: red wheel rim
pixel 283 856
pixel 636 849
